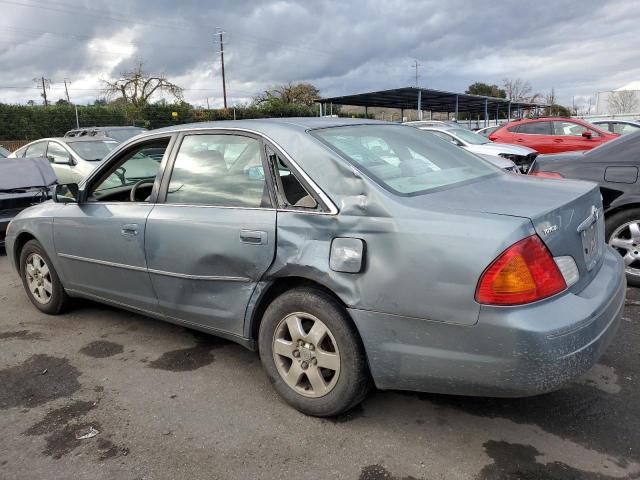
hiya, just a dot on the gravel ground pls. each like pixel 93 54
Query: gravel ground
pixel 171 403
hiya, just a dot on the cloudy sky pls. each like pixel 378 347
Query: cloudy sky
pixel 577 47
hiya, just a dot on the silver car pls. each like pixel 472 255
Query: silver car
pixel 71 158
pixel 419 268
pixel 475 143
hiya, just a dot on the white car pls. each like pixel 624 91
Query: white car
pixel 523 157
pixel 71 158
pixel 623 127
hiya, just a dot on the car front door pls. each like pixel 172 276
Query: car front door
pixel 100 239
pixel 62 163
pixel 568 136
pixel 211 236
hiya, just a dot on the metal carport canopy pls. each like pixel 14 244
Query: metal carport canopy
pixel 431 100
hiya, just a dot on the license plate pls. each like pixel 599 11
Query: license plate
pixel 591 245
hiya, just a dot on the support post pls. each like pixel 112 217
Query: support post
pixel 497 113
pixel 401 115
pixel 419 112
pixel 456 108
pixel 509 112
pixel 366 111
pixel 486 111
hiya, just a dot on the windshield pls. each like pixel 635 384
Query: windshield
pixel 469 137
pixel 123 134
pixel 93 151
pixel 403 159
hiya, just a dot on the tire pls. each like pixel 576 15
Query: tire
pixel 626 240
pixel 36 270
pixel 344 383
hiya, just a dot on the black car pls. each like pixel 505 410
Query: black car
pixel 119 134
pixel 23 182
pixel 614 165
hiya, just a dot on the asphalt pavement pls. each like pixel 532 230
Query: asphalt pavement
pixel 99 393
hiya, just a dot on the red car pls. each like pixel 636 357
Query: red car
pixel 552 135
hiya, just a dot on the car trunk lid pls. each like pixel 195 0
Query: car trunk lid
pixel 567 215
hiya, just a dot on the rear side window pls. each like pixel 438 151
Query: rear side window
pixel 36 150
pixel 535 128
pixel 219 170
pixel 414 163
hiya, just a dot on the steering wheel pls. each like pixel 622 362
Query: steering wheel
pixel 138 184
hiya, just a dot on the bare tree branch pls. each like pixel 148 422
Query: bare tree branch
pixel 137 87
pixel 623 101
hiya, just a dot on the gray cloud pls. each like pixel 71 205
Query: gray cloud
pixel 343 47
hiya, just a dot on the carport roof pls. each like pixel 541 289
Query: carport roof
pixel 430 100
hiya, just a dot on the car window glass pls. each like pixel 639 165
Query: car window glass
pixel 624 128
pixel 36 150
pixel 570 129
pixel 219 170
pixel 57 153
pixel 142 163
pixel 444 136
pixel 20 152
pixel 294 193
pixel 535 128
pixel 422 162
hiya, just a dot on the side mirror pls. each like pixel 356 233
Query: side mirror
pixel 66 193
pixel 587 134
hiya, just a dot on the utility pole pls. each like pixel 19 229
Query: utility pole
pixel 416 65
pixel 66 90
pixel 224 85
pixel 43 83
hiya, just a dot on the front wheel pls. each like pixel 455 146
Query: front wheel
pixel 312 353
pixel 40 279
pixel 623 234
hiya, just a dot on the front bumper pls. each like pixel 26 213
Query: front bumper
pixel 510 352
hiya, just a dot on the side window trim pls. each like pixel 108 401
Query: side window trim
pixel 163 187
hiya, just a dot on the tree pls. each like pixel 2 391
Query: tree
pixel 62 101
pixel 623 101
pixel 518 90
pixel 296 94
pixel 486 90
pixel 136 87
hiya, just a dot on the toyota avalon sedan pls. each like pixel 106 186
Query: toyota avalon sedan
pixel 424 269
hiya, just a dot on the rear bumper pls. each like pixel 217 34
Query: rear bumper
pixel 510 352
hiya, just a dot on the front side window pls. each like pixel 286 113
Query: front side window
pixel 36 150
pixel 420 162
pixel 57 154
pixel 571 129
pixel 535 128
pixel 136 170
pixel 219 170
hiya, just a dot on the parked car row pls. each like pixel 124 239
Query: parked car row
pixel 347 252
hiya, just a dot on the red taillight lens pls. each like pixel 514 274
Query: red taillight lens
pixel 523 273
pixel 546 174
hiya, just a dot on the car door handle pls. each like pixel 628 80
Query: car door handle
pixel 557 140
pixel 521 140
pixel 254 237
pixel 129 229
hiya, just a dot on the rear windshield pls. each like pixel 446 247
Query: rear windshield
pixel 92 151
pixel 403 159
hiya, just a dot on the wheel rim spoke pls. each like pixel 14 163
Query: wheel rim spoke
pixel 628 259
pixel 634 228
pixel 295 328
pixel 622 243
pixel 328 360
pixel 317 333
pixel 283 347
pixel 293 375
pixel 317 381
pixel 38 279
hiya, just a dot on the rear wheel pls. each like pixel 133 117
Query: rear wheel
pixel 40 279
pixel 623 234
pixel 312 353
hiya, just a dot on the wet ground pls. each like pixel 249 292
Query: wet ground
pixel 170 403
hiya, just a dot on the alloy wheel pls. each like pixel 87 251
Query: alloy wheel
pixel 626 240
pixel 38 278
pixel 306 354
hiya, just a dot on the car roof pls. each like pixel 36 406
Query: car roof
pixel 75 139
pixel 126 127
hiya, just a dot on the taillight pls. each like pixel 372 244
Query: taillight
pixel 525 272
pixel 546 174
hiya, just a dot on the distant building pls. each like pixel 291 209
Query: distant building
pixel 621 101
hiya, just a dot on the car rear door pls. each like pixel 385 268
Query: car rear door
pixel 536 135
pixel 211 236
